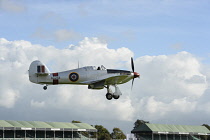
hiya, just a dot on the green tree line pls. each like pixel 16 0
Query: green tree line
pixel 104 134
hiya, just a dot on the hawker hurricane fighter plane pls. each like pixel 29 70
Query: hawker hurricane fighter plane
pixel 94 77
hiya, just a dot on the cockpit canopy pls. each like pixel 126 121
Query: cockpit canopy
pixel 95 68
pixel 101 68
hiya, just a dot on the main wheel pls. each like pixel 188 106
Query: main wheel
pixel 116 96
pixel 45 87
pixel 109 96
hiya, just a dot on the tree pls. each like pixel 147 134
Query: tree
pixel 102 133
pixel 139 122
pixel 117 134
pixel 208 127
pixel 76 121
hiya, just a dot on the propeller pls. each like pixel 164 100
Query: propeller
pixel 132 64
pixel 135 73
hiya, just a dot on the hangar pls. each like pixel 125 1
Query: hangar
pixel 149 131
pixel 37 130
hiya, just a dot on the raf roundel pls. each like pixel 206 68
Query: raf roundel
pixel 73 76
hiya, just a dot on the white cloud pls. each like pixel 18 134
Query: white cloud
pixel 8 97
pixel 168 74
pixel 19 54
pixel 169 83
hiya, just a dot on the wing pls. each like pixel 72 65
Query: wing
pixel 117 80
pixel 120 79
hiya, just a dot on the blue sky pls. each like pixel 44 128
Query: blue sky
pixel 169 40
pixel 145 27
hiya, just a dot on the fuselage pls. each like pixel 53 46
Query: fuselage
pixel 85 76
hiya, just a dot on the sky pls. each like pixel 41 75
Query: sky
pixel 168 39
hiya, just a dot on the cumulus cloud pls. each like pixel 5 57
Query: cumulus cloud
pixel 17 56
pixel 172 83
pixel 169 83
pixel 179 73
pixel 8 97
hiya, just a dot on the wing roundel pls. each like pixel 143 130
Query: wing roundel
pixel 73 76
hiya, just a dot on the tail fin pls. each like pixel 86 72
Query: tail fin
pixel 37 69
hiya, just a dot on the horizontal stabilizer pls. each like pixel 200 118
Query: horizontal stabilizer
pixel 42 74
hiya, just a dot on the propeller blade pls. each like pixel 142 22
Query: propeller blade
pixel 132 84
pixel 132 64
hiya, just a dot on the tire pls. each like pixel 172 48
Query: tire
pixel 109 96
pixel 45 87
pixel 116 96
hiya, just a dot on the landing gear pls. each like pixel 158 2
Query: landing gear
pixel 116 96
pixel 45 87
pixel 110 94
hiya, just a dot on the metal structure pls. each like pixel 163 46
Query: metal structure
pixel 149 131
pixel 37 130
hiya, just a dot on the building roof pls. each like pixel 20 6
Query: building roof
pixel 39 125
pixel 168 129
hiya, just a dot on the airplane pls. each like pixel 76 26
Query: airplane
pixel 95 77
